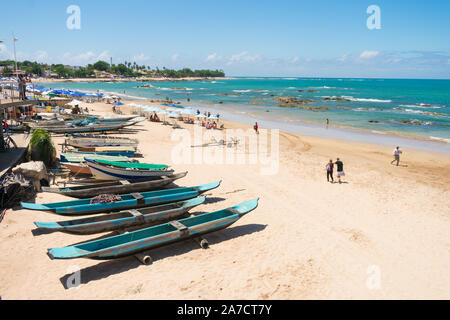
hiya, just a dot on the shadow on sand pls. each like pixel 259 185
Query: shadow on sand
pixel 108 268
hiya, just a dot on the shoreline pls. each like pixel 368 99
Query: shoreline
pixel 313 129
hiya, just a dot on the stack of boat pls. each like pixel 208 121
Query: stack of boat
pixel 134 201
pixel 139 221
pixel 87 124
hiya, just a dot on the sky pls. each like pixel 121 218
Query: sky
pixel 290 38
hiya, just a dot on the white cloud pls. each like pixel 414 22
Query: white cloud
pixel 244 57
pixel 175 56
pixel 343 58
pixel 41 56
pixel 141 58
pixel 294 60
pixel 213 57
pixel 369 54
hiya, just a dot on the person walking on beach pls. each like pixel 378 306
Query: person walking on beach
pixel 397 153
pixel 330 169
pixel 256 127
pixel 340 169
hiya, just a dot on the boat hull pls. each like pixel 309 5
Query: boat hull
pixel 138 186
pixel 77 168
pixel 124 219
pixel 154 237
pixel 103 172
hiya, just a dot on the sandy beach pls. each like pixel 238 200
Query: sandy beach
pixel 383 234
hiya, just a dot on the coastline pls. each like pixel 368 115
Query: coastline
pixel 139 79
pixel 303 127
pixel 308 239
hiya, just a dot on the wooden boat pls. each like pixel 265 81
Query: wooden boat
pixel 77 167
pixel 101 142
pixel 118 119
pixel 92 128
pixel 80 157
pixel 123 219
pixel 108 151
pixel 105 171
pixel 127 201
pixel 156 236
pixel 116 187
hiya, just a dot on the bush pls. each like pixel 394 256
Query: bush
pixel 41 148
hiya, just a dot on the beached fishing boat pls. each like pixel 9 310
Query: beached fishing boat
pixel 118 119
pixel 77 167
pixel 110 171
pixel 123 202
pixel 101 142
pixel 123 219
pixel 80 157
pixel 116 187
pixel 156 236
pixel 92 128
pixel 107 151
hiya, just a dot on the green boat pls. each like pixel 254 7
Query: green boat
pixel 131 165
pixel 156 236
pixel 123 219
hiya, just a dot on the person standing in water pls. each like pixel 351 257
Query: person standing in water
pixel 397 152
pixel 330 169
pixel 340 169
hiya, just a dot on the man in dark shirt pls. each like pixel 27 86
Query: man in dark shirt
pixel 340 169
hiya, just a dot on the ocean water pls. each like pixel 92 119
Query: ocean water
pixel 411 108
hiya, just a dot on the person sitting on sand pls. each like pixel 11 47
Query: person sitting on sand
pixel 397 152
pixel 330 168
pixel 340 169
pixel 214 125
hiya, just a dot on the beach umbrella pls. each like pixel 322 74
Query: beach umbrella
pixel 200 116
pixel 173 115
pixel 188 111
pixel 213 117
pixel 118 104
pixel 74 102
pixel 132 104
pixel 173 109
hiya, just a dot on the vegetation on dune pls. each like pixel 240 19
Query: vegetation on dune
pixel 41 148
pixel 126 69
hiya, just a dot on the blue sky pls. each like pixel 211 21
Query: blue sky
pixel 325 38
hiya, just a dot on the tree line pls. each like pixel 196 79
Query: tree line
pixel 126 69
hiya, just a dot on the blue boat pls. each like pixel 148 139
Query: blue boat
pixel 156 236
pixel 124 219
pixel 123 202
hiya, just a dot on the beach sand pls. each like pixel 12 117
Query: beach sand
pixel 384 234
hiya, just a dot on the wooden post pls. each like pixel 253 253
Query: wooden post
pixel 2 141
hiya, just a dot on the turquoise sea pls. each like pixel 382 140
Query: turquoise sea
pixel 411 108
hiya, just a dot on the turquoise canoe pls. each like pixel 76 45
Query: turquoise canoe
pixel 123 219
pixel 128 201
pixel 153 237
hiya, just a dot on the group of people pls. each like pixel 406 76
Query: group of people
pixel 340 166
pixel 330 170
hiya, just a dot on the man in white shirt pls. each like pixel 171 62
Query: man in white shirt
pixel 397 152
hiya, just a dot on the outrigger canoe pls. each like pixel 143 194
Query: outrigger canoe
pixel 93 128
pixel 116 187
pixel 80 157
pixel 88 142
pixel 156 236
pixel 123 219
pixel 111 171
pixel 126 201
